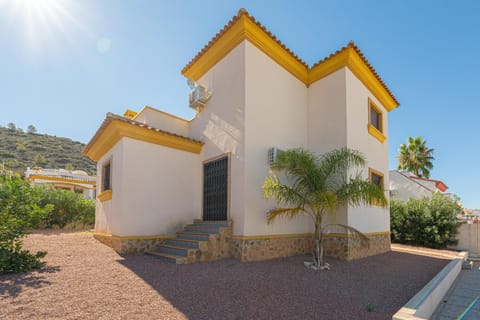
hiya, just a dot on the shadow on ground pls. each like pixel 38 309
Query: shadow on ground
pixel 13 284
pixel 370 288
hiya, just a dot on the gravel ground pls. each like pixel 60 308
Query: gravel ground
pixel 84 279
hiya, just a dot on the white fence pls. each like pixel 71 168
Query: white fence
pixel 469 239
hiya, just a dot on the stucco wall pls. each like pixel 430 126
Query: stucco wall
pixel 468 237
pixel 327 120
pixel 160 189
pixel 221 125
pixel 106 212
pixel 276 116
pixel 403 188
pixel 162 120
pixel 372 218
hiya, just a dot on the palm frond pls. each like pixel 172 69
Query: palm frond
pixel 361 192
pixel 336 164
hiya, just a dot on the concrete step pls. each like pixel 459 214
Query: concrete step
pixel 191 244
pixel 219 223
pixel 175 250
pixel 202 228
pixel 193 235
pixel 168 257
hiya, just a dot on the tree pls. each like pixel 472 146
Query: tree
pixel 427 222
pixel 11 126
pixel 319 186
pixel 416 157
pixel 19 211
pixel 40 160
pixel 31 129
pixel 69 167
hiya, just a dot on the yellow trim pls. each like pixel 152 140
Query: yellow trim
pixel 118 129
pixel 302 235
pixel 160 111
pixel 273 236
pixel 32 177
pixel 378 173
pixel 130 114
pixel 368 234
pixel 124 238
pixel 376 134
pixel 105 195
pixel 246 29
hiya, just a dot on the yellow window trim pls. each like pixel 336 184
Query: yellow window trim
pixel 118 129
pixel 376 134
pixel 246 29
pixel 106 163
pixel 378 173
pixel 105 195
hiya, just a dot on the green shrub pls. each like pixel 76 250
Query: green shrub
pixel 68 208
pixel 19 211
pixel 426 222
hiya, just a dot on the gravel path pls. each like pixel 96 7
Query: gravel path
pixel 84 279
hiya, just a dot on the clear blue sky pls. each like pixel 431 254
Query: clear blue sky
pixel 64 64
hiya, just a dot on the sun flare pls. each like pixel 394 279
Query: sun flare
pixel 42 22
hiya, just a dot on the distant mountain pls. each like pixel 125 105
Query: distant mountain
pixel 19 150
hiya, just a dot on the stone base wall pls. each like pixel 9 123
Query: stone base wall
pixel 340 246
pixel 270 247
pixel 219 246
pixel 131 244
pixel 346 247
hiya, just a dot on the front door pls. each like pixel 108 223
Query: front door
pixel 215 189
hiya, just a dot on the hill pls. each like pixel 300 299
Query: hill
pixel 19 150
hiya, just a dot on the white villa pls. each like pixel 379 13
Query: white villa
pixel 76 181
pixel 406 185
pixel 252 96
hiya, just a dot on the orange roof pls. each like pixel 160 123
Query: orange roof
pixel 243 26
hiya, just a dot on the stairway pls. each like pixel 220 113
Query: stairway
pixel 200 241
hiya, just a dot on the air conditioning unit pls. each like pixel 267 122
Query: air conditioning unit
pixel 273 153
pixel 199 97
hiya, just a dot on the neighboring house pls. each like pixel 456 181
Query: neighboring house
pixel 77 181
pixel 158 172
pixel 406 185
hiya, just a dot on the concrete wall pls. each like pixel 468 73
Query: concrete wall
pixel 371 218
pixel 469 239
pixel 221 125
pixel 275 116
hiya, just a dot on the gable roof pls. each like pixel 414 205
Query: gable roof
pixel 243 26
pixel 410 176
pixel 115 127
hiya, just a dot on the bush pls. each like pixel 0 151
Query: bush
pixel 426 222
pixel 19 211
pixel 68 208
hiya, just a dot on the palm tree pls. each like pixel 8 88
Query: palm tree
pixel 416 157
pixel 319 186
